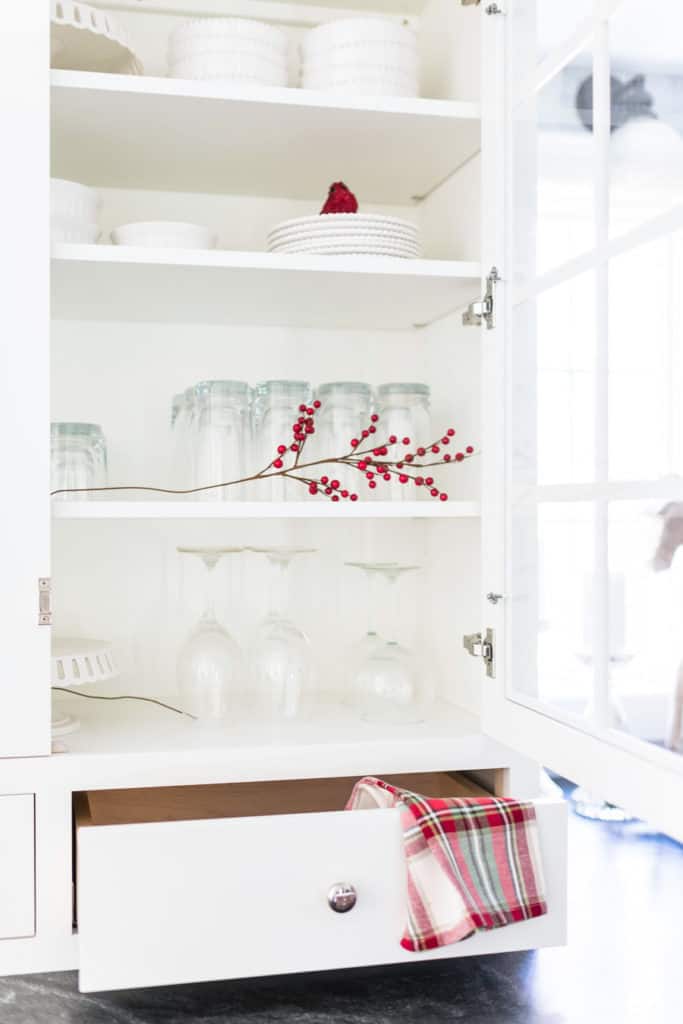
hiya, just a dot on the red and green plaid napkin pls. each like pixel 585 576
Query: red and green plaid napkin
pixel 473 864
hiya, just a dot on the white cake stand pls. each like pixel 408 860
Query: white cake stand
pixel 78 661
pixel 84 38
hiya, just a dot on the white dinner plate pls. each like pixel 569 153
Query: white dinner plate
pixel 359 220
pixel 343 248
pixel 306 236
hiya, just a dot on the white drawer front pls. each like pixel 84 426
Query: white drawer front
pixel 200 900
pixel 17 866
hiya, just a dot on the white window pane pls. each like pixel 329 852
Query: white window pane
pixel 646 149
pixel 552 622
pixel 645 357
pixel 646 616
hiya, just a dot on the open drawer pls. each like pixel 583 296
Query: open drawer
pixel 208 882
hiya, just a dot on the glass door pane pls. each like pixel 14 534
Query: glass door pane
pixel 646 144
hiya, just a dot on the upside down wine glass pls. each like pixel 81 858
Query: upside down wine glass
pixel 384 676
pixel 210 668
pixel 281 657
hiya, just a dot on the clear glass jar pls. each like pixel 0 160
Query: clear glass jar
pixel 78 459
pixel 345 411
pixel 404 411
pixel 182 405
pixel 275 408
pixel 220 437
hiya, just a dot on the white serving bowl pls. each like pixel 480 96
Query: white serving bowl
pixel 164 234
pixel 232 67
pixel 358 30
pixel 199 31
pixel 73 232
pixel 70 200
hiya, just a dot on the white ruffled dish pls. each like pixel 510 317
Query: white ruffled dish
pixel 239 33
pixel 164 234
pixel 358 30
pixel 84 38
pixel 69 200
pixel 73 232
pixel 231 67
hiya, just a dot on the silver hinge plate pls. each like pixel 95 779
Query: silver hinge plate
pixel 484 311
pixel 489 8
pixel 483 647
pixel 44 601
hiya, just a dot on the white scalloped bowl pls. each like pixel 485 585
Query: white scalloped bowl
pixel 164 234
pixel 227 31
pixel 71 200
pixel 231 67
pixel 358 30
pixel 73 232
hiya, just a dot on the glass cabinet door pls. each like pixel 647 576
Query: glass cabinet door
pixel 592 341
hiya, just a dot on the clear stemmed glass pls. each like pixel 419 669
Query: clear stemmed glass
pixel 384 674
pixel 210 667
pixel 281 656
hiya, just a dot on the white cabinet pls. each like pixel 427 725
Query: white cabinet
pixel 480 163
pixel 17 857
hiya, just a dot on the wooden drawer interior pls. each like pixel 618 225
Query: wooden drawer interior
pixel 247 799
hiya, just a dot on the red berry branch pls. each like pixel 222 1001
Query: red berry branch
pixel 374 462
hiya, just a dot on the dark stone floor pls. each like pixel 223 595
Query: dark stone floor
pixel 623 965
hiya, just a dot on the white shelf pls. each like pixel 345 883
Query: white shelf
pixel 265 510
pixel 123 283
pixel 126 131
pixel 121 741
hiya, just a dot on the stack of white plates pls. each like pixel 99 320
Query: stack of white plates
pixel 375 56
pixel 346 234
pixel 232 50
pixel 73 212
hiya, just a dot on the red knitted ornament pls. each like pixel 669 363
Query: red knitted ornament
pixel 340 199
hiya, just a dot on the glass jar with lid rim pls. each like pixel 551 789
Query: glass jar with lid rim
pixel 275 409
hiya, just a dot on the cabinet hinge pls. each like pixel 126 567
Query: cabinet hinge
pixel 484 310
pixel 488 9
pixel 44 601
pixel 483 647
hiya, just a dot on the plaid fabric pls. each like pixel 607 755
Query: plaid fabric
pixel 473 864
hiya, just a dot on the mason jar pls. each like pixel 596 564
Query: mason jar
pixel 275 409
pixel 404 411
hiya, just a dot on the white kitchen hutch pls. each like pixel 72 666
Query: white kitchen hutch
pixel 237 885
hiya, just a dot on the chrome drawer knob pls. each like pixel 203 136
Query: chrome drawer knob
pixel 342 897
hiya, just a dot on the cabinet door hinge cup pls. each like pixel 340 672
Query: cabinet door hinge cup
pixel 44 601
pixel 488 9
pixel 484 310
pixel 483 647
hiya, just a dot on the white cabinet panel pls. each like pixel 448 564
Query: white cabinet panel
pixel 17 866
pixel 24 381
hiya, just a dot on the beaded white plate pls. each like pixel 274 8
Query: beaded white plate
pixel 84 38
pixel 346 249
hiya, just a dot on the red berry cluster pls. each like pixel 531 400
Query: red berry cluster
pixel 373 461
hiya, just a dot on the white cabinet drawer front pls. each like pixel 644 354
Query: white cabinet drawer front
pixel 17 866
pixel 180 901
pixel 190 901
